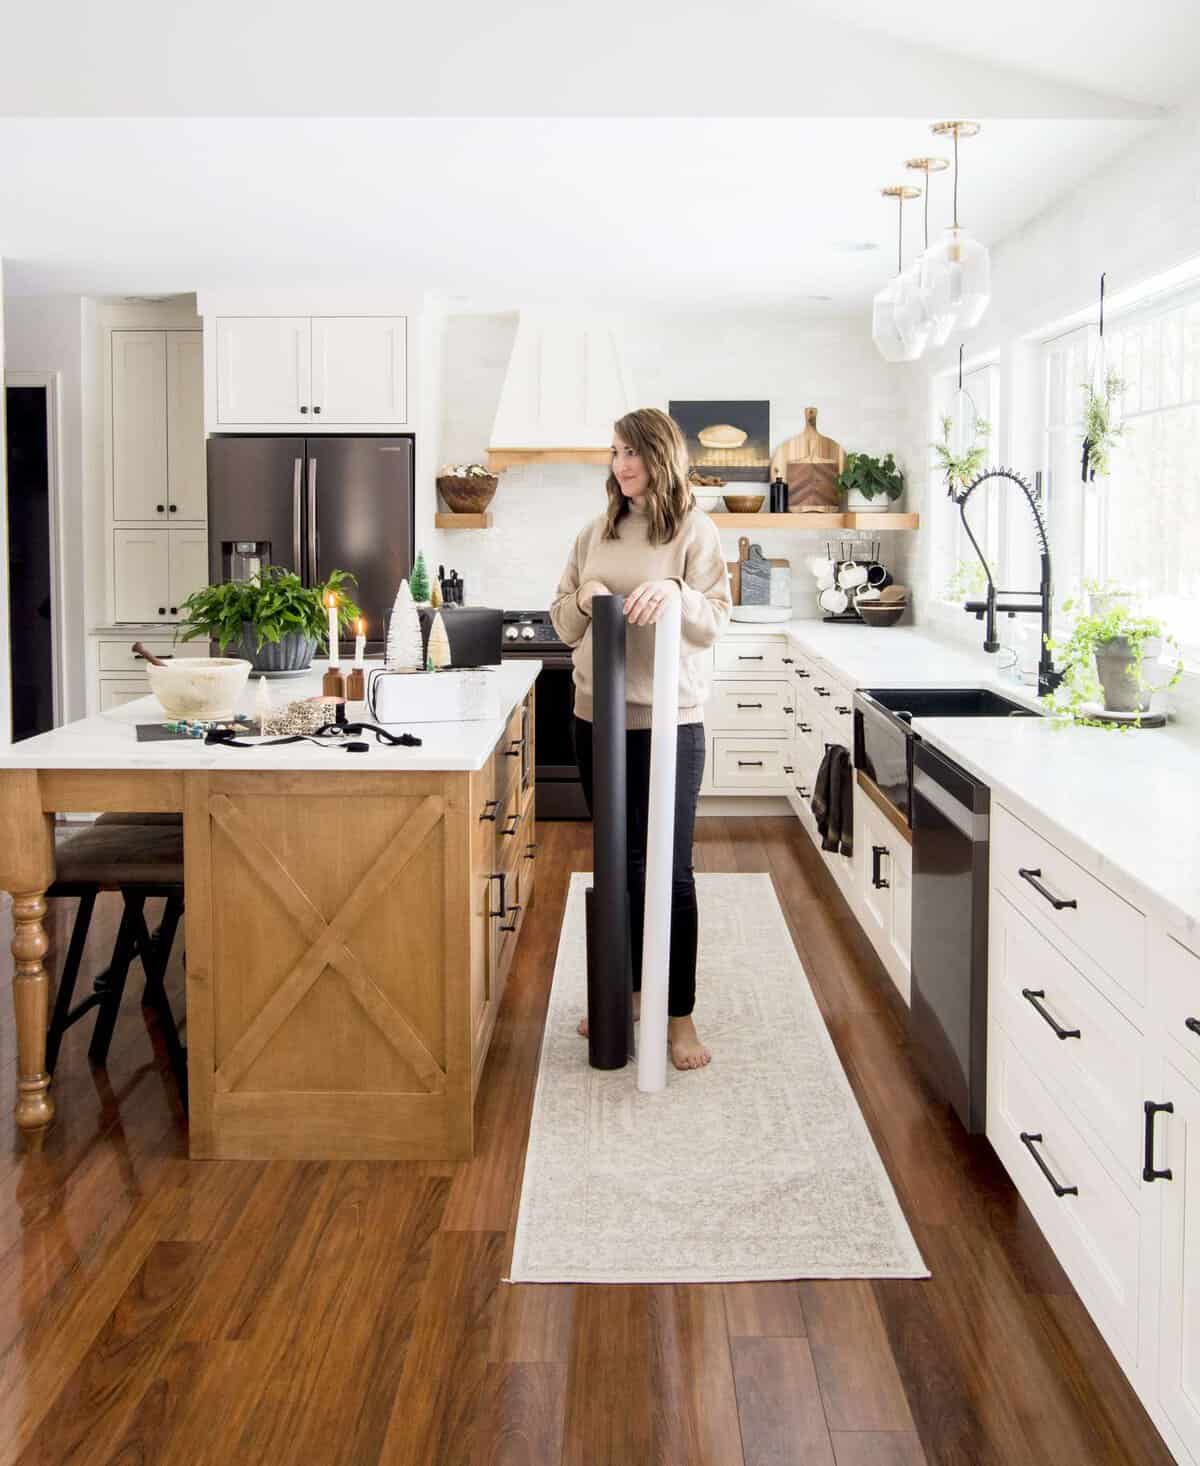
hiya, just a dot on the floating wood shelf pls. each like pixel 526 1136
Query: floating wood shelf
pixel 816 521
pixel 463 521
pixel 498 459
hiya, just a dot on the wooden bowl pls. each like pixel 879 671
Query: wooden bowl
pixel 469 495
pixel 875 614
pixel 744 503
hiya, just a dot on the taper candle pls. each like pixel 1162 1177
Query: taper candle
pixel 331 601
pixel 360 643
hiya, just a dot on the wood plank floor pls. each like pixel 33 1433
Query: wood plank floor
pixel 153 1310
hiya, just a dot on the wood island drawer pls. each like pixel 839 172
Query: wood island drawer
pixel 1093 1229
pixel 1055 889
pixel 1068 1031
pixel 753 765
pixel 759 707
pixel 752 654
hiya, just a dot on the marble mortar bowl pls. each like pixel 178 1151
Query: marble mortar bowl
pixel 199 687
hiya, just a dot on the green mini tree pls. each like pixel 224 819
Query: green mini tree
pixel 418 581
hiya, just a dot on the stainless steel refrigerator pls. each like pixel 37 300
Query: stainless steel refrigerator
pixel 314 505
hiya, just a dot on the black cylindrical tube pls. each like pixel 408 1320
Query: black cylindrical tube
pixel 610 986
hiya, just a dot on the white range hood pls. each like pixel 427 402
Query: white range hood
pixel 565 385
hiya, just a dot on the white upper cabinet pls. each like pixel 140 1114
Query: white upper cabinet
pixel 186 495
pixel 139 425
pixel 264 372
pixel 317 371
pixel 358 368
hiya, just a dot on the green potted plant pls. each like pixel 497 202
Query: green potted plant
pixel 273 620
pixel 870 483
pixel 1100 432
pixel 959 468
pixel 1103 660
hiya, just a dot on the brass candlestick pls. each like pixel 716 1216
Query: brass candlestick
pixel 356 685
pixel 333 684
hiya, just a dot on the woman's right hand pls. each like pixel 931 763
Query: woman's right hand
pixel 590 588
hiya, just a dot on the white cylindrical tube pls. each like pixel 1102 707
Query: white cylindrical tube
pixel 660 844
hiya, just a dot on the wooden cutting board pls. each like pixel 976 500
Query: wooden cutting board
pixel 810 446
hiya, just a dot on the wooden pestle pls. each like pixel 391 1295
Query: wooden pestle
pixel 140 649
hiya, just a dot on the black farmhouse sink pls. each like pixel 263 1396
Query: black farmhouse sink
pixel 948 702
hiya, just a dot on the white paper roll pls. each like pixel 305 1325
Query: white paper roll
pixel 660 842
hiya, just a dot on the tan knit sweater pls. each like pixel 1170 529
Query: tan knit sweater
pixel 694 560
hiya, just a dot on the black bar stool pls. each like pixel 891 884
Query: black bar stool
pixel 140 855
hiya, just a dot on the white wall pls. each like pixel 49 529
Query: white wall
pixel 538 509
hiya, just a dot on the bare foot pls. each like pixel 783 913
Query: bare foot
pixel 687 1052
pixel 637 1013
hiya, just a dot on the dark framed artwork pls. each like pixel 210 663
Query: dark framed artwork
pixel 732 439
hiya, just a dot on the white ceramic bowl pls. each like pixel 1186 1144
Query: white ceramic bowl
pixel 199 687
pixel 710 503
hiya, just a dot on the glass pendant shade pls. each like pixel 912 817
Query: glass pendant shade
pixel 933 279
pixel 889 318
pixel 912 316
pixel 968 269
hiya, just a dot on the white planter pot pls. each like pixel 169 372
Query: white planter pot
pixel 857 503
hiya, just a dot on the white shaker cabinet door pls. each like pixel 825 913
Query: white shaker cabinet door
pixel 186 495
pixel 263 369
pixel 1178 1150
pixel 141 575
pixel 188 565
pixel 358 369
pixel 139 425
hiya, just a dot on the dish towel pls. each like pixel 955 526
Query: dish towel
pixel 833 800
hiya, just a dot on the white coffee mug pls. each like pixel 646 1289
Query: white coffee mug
pixel 826 574
pixel 852 574
pixel 833 600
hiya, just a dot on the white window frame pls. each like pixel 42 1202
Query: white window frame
pixel 950 543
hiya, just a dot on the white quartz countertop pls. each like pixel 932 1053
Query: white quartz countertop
pixel 109 740
pixel 1126 806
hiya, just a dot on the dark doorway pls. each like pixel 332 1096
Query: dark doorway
pixel 30 597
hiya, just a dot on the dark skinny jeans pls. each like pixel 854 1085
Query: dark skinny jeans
pixel 689 770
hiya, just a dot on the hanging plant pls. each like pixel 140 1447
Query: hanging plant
pixel 959 469
pixel 1100 432
pixel 969 579
pixel 1103 660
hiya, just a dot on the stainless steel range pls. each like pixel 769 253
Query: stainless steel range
pixel 559 792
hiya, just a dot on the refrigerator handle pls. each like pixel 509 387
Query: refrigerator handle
pixel 297 467
pixel 312 520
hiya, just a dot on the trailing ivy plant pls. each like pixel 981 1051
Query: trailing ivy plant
pixel 959 469
pixel 1075 655
pixel 1100 433
pixel 274 602
pixel 871 477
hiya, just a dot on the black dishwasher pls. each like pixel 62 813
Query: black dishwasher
pixel 950 813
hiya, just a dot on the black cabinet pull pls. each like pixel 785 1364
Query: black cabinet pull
pixel 511 926
pixel 173 507
pixel 841 709
pixel 162 610
pixel 788 769
pixel 877 854
pixel 1148 1171
pixel 503 894
pixel 304 409
pixel 160 508
pixel 1031 996
pixel 1033 877
pixel 749 659
pixel 800 672
pixel 1028 1141
pixel 822 692
pixel 750 705
pixel 316 409
pixel 787 661
pixel 490 806
pixel 514 820
pixel 1193 1024
pixel 804 727
pixel 745 763
pixel 174 610
pixel 789 710
pixel 802 791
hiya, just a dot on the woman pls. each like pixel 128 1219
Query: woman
pixel 650 546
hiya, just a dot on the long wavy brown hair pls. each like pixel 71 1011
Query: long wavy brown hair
pixel 669 498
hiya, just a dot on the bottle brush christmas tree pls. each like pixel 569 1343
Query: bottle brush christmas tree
pixel 404 633
pixel 439 644
pixel 419 584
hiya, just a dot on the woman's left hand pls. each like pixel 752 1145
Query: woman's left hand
pixel 645 604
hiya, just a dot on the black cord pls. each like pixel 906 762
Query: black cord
pixel 330 735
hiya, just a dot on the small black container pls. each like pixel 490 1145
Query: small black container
pixel 779 496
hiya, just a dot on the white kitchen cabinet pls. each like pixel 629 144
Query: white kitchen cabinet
pixel 139 425
pixel 313 371
pixel 187 498
pixel 264 369
pixel 154 570
pixel 1178 1150
pixel 115 692
pixel 883 888
pixel 359 369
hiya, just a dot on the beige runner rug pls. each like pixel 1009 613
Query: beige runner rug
pixel 759 1166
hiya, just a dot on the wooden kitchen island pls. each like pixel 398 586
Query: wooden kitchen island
pixel 350 920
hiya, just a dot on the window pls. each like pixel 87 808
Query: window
pixel 988 510
pixel 1140 526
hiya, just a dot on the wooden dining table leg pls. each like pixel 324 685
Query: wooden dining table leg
pixel 26 871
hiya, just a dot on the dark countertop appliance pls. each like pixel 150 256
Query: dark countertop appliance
pixel 947 811
pixel 314 505
pixel 559 790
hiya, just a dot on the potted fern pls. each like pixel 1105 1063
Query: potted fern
pixel 274 620
pixel 1100 430
pixel 962 463
pixel 870 483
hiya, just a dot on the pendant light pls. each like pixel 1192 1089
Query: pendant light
pixel 967 262
pixel 933 274
pixel 897 325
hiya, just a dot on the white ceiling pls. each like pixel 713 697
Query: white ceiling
pixel 709 154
